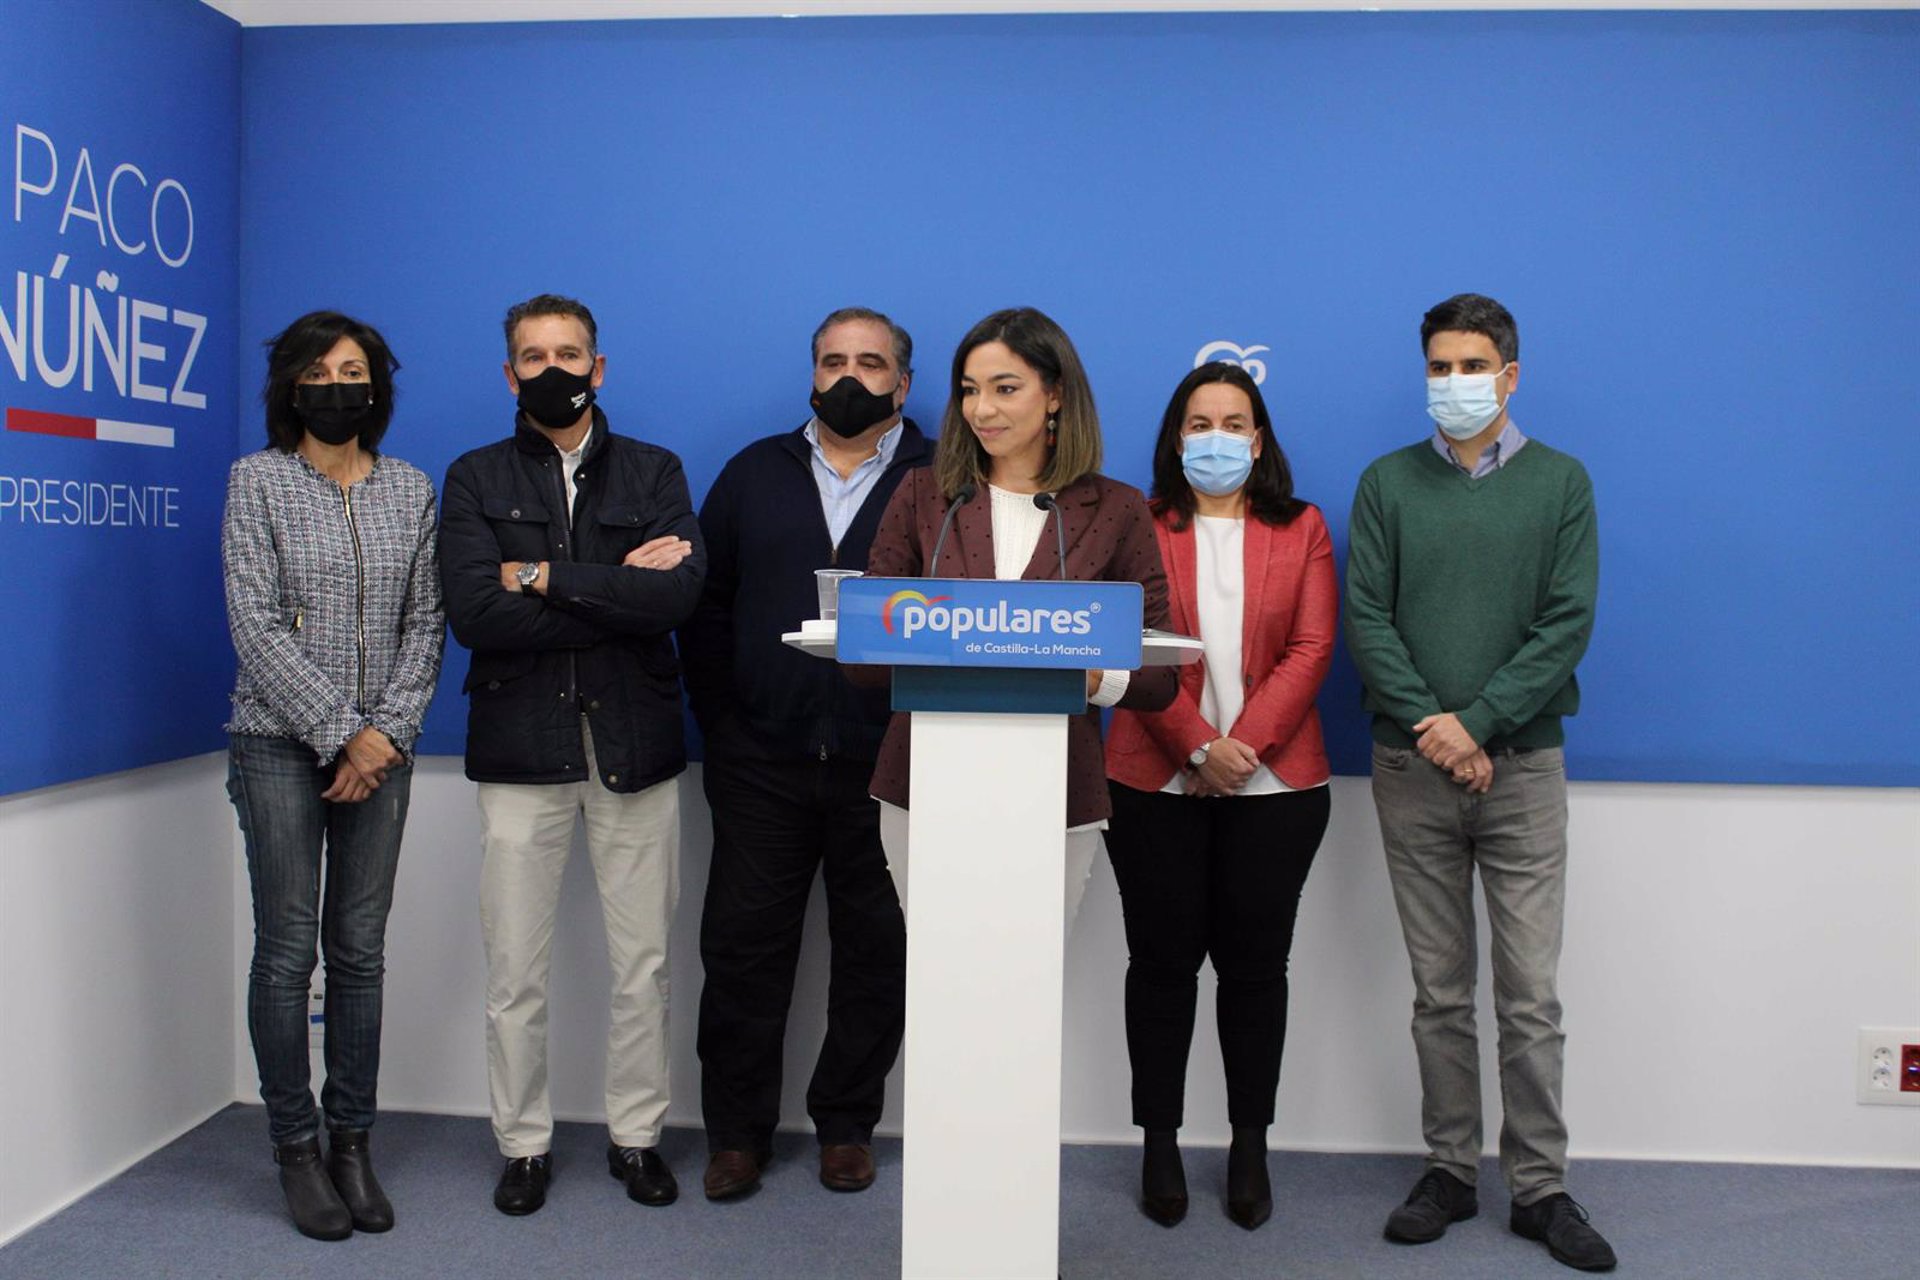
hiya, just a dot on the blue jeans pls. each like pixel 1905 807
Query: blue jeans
pixel 276 786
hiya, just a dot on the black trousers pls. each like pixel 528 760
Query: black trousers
pixel 775 822
pixel 1218 878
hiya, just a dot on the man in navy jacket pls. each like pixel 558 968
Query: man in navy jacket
pixel 790 746
pixel 568 556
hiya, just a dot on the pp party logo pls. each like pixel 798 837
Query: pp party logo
pixel 1234 353
pixel 907 598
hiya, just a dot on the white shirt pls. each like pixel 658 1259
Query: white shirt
pixel 569 466
pixel 1220 590
pixel 1017 526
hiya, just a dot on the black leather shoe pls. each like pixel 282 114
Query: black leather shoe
pixel 1559 1222
pixel 316 1207
pixel 732 1172
pixel 522 1188
pixel 350 1165
pixel 648 1179
pixel 1163 1180
pixel 1249 1191
pixel 1438 1199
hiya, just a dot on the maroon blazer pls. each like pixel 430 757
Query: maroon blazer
pixel 1292 608
pixel 1109 539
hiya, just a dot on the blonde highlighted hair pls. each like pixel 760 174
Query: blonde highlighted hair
pixel 959 460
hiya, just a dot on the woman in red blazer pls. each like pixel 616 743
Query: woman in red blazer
pixel 1219 801
pixel 1020 421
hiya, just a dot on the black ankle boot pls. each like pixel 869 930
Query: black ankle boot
pixel 1249 1193
pixel 316 1207
pixel 1163 1182
pixel 350 1165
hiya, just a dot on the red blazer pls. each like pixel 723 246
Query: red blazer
pixel 1286 645
pixel 1109 539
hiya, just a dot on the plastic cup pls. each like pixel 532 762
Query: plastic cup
pixel 828 581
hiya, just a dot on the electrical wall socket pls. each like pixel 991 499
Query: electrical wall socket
pixel 1887 1072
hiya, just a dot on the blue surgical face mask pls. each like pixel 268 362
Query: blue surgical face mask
pixel 1217 463
pixel 1463 404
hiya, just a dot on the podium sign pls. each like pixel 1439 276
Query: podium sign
pixel 985 622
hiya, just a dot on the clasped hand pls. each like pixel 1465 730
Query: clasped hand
pixel 1443 740
pixel 362 766
pixel 1229 764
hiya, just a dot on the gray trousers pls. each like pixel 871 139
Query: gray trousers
pixel 1436 834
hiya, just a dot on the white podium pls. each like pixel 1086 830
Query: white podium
pixel 980 1186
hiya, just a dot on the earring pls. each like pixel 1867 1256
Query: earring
pixel 1053 426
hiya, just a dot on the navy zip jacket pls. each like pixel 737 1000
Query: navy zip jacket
pixel 599 642
pixel 765 535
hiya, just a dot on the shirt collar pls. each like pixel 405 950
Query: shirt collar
pixel 888 442
pixel 1496 454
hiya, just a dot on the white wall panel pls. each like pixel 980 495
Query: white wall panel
pixel 116 990
pixel 1723 946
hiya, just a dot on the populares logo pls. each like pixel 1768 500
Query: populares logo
pixel 906 612
pixel 1234 353
pixel 909 598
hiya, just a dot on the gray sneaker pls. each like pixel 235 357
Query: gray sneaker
pixel 1559 1222
pixel 1438 1199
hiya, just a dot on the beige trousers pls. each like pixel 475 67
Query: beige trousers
pixel 1083 845
pixel 634 843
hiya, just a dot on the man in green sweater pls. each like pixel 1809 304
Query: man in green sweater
pixel 1471 575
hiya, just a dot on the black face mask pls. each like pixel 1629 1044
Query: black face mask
pixel 332 412
pixel 557 397
pixel 848 408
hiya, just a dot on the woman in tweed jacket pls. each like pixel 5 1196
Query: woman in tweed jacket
pixel 333 599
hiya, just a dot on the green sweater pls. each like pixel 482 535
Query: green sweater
pixel 1472 596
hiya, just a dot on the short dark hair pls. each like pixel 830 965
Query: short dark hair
pixel 551 304
pixel 902 341
pixel 1473 313
pixel 1269 488
pixel 292 351
pixel 960 460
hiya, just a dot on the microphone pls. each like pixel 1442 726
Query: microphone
pixel 1045 502
pixel 960 499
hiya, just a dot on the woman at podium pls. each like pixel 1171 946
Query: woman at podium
pixel 1019 457
pixel 1220 800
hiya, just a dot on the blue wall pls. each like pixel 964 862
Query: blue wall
pixel 126 115
pixel 1704 223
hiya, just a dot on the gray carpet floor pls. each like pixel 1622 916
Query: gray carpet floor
pixel 208 1205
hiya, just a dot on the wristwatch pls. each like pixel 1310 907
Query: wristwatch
pixel 526 575
pixel 1199 756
